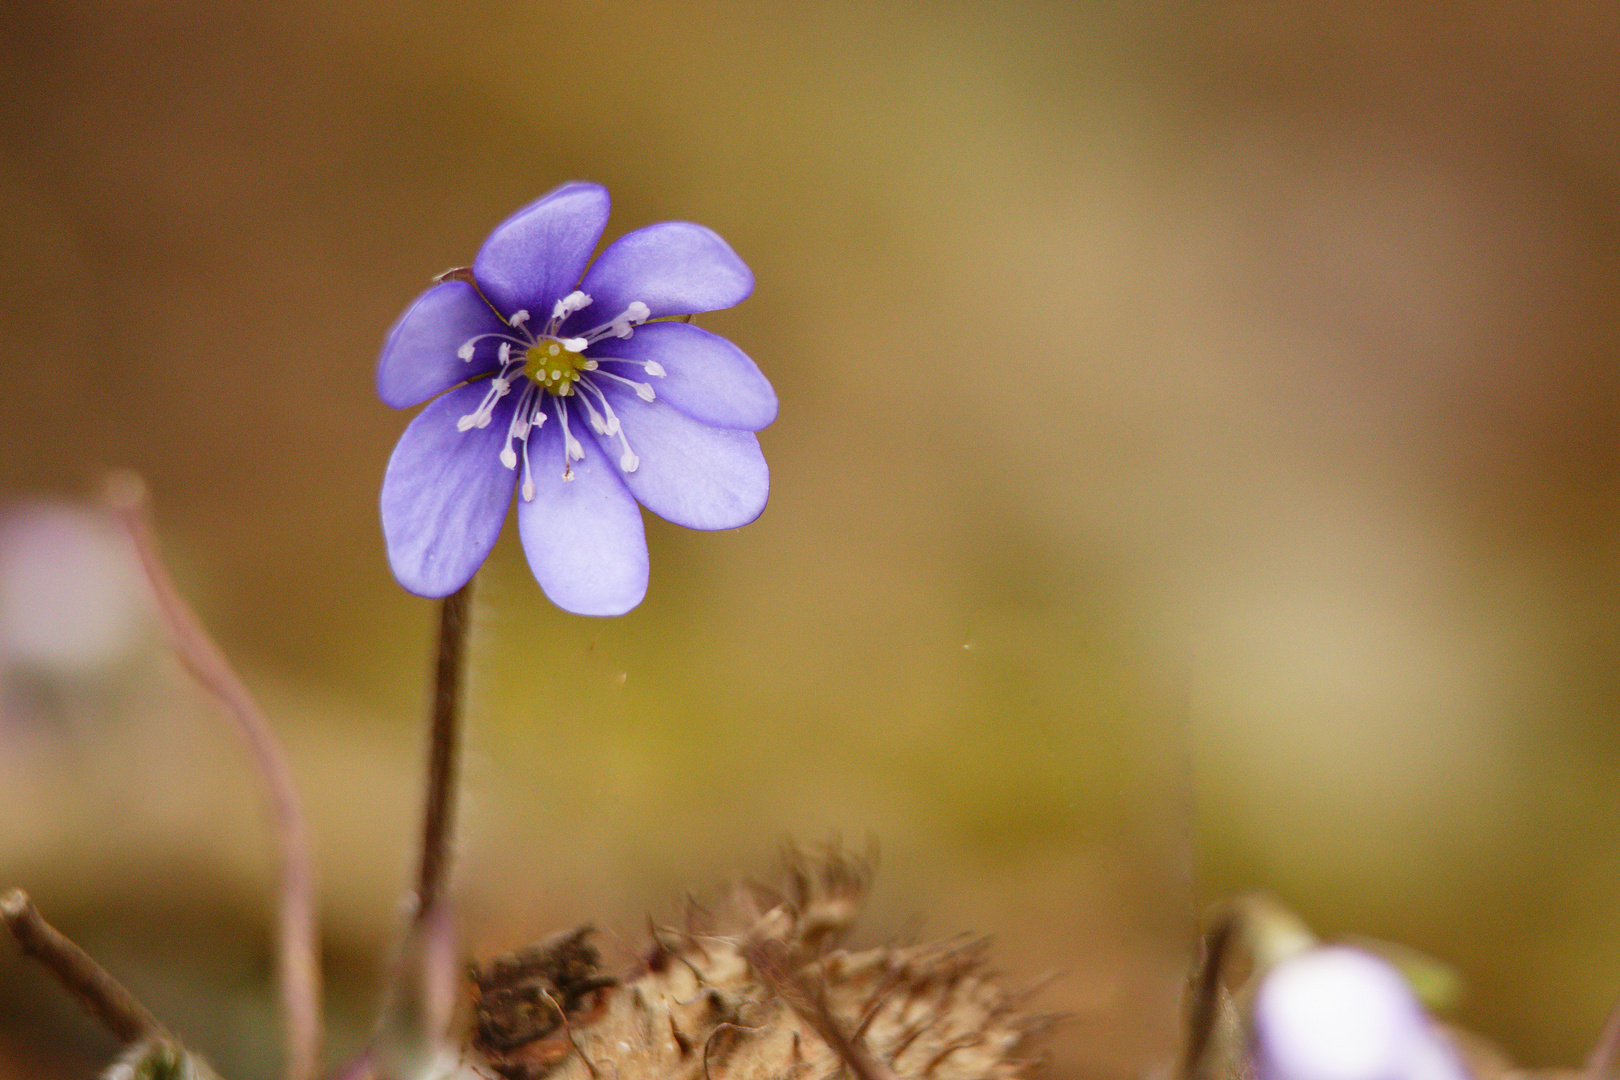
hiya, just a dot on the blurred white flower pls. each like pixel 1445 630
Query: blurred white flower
pixel 71 597
pixel 1338 1013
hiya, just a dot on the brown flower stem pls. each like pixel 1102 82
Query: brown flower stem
pixel 298 965
pixel 431 931
pixel 444 746
pixel 99 993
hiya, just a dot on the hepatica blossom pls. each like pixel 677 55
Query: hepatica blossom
pixel 1337 1013
pixel 567 382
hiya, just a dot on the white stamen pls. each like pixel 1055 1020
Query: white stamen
pixel 651 367
pixel 562 418
pixel 569 304
pixel 574 344
pixel 598 425
pixel 571 447
pixel 628 461
pixel 612 426
pixel 499 387
pixel 528 475
pixel 518 428
pixel 518 318
pixel 644 391
pixel 465 351
pixel 566 307
pixel 505 355
pixel 589 365
pixel 623 324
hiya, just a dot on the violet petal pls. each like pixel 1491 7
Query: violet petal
pixel 675 268
pixel 445 494
pixel 535 257
pixel 584 536
pixel 419 357
pixel 706 377
pixel 690 474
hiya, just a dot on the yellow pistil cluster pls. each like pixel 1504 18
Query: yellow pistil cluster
pixel 553 367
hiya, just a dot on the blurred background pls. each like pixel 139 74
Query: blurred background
pixel 1198 471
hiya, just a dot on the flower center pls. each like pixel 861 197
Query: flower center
pixel 552 366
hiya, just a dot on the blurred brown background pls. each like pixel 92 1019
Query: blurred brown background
pixel 1197 471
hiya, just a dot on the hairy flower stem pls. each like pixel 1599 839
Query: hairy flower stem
pixel 99 993
pixel 431 922
pixel 444 753
pixel 416 1016
pixel 297 962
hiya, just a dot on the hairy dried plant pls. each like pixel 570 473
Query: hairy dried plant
pixel 759 991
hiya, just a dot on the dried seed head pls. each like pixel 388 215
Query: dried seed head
pixel 757 992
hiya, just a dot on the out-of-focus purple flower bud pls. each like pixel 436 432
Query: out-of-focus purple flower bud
pixel 1338 1013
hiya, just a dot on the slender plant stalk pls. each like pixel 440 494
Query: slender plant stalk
pixel 298 964
pixel 432 929
pixel 99 993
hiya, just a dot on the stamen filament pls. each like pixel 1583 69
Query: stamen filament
pixel 518 428
pixel 628 461
pixel 611 425
pixel 644 391
pixel 571 447
pixel 563 308
pixel 651 367
pixel 623 324
pixel 598 425
pixel 465 352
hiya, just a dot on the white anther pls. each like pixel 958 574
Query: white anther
pixel 509 457
pixel 644 391
pixel 574 344
pixel 528 490
pixel 466 422
pixel 466 350
pixel 518 318
pixel 653 367
pixel 589 365
pixel 502 385
pixel 575 450
pixel 506 352
pixel 570 304
pixel 623 324
pixel 629 462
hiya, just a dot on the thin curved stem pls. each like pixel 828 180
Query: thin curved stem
pixel 297 961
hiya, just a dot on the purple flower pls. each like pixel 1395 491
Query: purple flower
pixel 1336 1013
pixel 561 385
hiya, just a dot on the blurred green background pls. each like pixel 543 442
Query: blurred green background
pixel 1197 471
